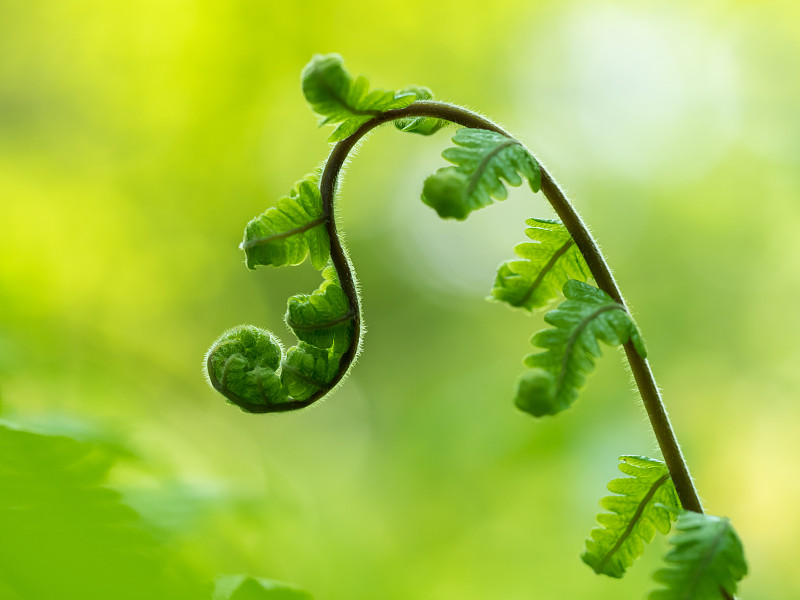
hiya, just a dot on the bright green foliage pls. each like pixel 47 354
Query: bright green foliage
pixel 323 322
pixel 707 557
pixel 322 318
pixel 246 364
pixel 634 515
pixel 288 232
pixel 587 316
pixel 308 369
pixel 242 587
pixel 483 159
pixel 66 535
pixel 421 125
pixel 336 97
pixel 547 264
pixel 242 365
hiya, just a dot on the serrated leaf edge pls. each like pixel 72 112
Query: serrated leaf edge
pixel 573 338
pixel 632 523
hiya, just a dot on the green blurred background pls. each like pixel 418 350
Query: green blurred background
pixel 137 139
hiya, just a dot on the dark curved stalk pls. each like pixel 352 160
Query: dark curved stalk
pixel 643 375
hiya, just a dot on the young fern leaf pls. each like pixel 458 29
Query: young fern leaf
pixel 707 559
pixel 337 98
pixel 483 159
pixel 634 515
pixel 322 319
pixel 546 265
pixel 290 231
pixel 587 316
pixel 307 370
pixel 420 125
pixel 247 365
pixel 243 366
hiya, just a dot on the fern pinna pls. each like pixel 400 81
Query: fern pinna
pixel 249 367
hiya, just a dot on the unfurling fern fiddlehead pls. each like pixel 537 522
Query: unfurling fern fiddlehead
pixel 248 366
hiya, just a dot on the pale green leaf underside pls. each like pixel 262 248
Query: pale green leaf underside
pixel 586 317
pixel 545 265
pixel 339 99
pixel 707 556
pixel 242 587
pixel 290 231
pixel 420 125
pixel 634 515
pixel 483 160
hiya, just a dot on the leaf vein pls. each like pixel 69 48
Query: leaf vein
pixel 262 241
pixel 484 164
pixel 546 269
pixel 632 523
pixel 573 339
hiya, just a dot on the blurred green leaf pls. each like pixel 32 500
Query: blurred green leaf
pixel 707 556
pixel 66 535
pixel 242 587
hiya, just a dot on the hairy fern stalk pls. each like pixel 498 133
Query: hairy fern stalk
pixel 560 263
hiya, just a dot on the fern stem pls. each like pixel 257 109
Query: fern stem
pixel 640 367
pixel 643 375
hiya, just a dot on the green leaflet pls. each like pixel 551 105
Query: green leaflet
pixel 633 517
pixel 290 231
pixel 308 369
pixel 483 159
pixel 323 322
pixel 242 587
pixel 420 125
pixel 242 365
pixel 547 264
pixel 336 97
pixel 587 316
pixel 322 318
pixel 707 557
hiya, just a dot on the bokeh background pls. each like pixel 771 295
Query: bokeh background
pixel 137 139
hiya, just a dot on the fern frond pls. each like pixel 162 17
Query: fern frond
pixel 323 318
pixel 290 231
pixel 634 515
pixel 242 365
pixel 307 369
pixel 420 125
pixel 587 316
pixel 547 264
pixel 338 98
pixel 707 558
pixel 483 160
